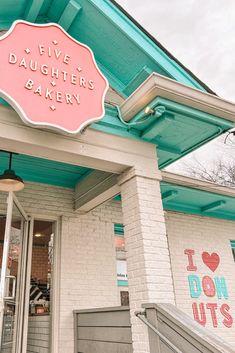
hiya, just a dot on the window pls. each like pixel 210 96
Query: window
pixel 122 280
pixel 124 295
pixel 41 269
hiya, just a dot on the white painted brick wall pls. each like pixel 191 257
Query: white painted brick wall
pixel 88 258
pixel 88 265
pixel 148 262
pixel 202 234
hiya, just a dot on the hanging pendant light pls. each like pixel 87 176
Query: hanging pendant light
pixel 9 181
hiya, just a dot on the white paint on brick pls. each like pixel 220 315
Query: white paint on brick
pixel 202 234
pixel 88 263
pixel 148 262
pixel 88 258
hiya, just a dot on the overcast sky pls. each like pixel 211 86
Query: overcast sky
pixel 199 33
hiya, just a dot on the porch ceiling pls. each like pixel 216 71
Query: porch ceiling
pixel 194 201
pixel 192 196
pixel 39 170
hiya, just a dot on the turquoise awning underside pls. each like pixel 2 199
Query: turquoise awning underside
pixel 193 201
pixel 39 170
pixel 179 131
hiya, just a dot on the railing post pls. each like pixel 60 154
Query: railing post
pixel 75 327
pixel 154 341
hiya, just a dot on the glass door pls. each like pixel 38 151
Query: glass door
pixel 13 249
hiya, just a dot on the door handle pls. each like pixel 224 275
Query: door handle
pixel 13 288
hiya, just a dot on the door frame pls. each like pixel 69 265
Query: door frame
pixel 55 301
pixel 55 305
pixel 10 202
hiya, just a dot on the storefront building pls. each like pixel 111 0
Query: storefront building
pixel 89 137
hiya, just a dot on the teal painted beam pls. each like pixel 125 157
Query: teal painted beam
pixel 213 206
pixel 69 14
pixel 157 127
pixel 169 195
pixel 139 78
pixel 32 10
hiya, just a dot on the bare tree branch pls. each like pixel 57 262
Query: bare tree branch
pixel 219 172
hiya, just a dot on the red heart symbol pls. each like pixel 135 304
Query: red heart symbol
pixel 212 261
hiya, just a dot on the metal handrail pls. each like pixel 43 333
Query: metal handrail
pixel 141 315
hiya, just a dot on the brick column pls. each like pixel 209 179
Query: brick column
pixel 148 262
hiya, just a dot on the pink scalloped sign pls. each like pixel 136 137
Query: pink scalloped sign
pixel 49 78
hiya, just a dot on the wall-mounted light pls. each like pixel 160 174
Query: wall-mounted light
pixel 149 111
pixel 9 181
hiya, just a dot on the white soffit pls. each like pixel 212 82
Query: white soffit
pixel 159 86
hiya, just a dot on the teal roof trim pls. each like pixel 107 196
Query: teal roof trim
pixel 193 201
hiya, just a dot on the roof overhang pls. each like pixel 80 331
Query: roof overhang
pixel 183 119
pixel 192 117
pixel 202 185
pixel 193 196
pixel 159 86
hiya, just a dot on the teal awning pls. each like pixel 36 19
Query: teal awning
pixel 194 201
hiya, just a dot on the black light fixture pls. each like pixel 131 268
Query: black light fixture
pixel 9 181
